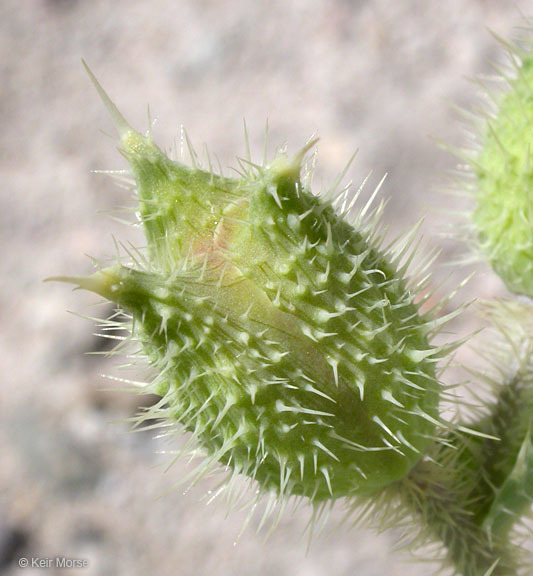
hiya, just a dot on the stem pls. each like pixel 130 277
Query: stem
pixel 442 502
pixel 471 490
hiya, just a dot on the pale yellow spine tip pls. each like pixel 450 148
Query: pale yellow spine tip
pixel 104 282
pixel 121 124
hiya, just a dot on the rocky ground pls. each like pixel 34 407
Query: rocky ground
pixel 379 76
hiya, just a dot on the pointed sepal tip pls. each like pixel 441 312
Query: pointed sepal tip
pixel 103 282
pixel 121 124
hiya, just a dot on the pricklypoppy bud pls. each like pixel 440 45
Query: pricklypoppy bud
pixel 282 336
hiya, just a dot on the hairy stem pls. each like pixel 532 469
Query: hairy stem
pixel 445 507
pixel 473 488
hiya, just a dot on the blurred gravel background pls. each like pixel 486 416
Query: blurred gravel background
pixel 380 76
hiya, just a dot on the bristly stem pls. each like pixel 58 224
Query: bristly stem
pixel 441 500
pixel 473 489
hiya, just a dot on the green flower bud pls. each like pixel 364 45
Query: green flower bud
pixel 283 338
pixel 503 216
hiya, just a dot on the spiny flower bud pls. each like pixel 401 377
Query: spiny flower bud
pixel 503 216
pixel 284 339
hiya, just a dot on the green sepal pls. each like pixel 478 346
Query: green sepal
pixel 514 497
